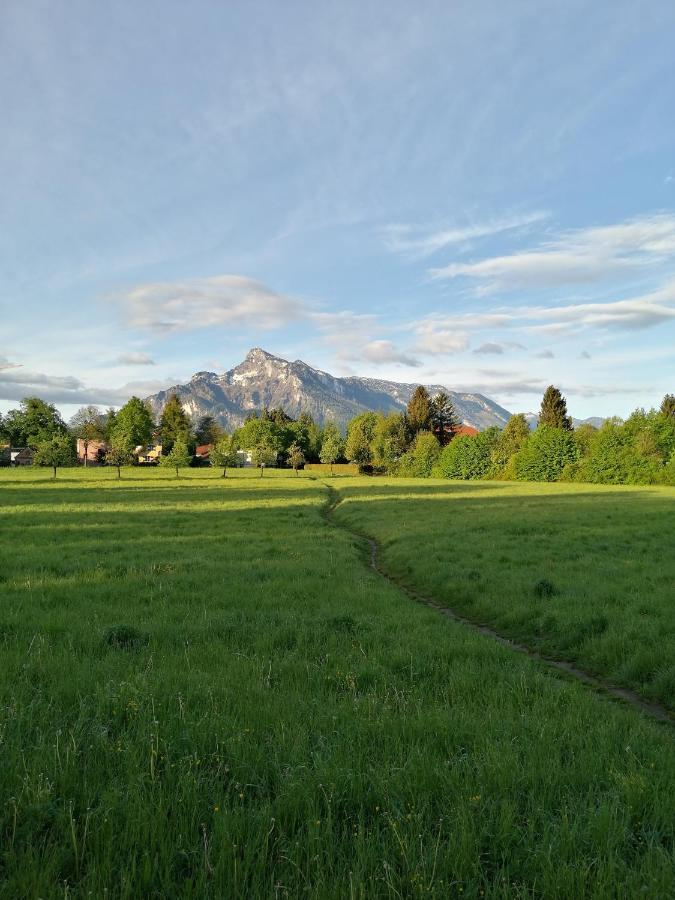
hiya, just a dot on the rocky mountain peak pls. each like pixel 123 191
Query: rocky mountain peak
pixel 265 380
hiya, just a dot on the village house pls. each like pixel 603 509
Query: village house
pixel 91 453
pixel 148 456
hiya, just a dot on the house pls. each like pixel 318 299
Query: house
pixel 21 456
pixel 148 456
pixel 91 453
pixel 244 458
pixel 203 451
pixel 464 431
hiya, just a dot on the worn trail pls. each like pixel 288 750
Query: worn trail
pixel 625 695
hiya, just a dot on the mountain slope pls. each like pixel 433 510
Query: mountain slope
pixel 266 380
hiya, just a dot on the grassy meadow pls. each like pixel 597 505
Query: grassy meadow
pixel 584 573
pixel 207 692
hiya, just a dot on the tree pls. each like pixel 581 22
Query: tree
pixel 553 412
pixel 443 418
pixel 308 435
pixel 668 406
pixel 512 438
pixel 119 456
pixel 264 455
pixel 360 433
pixel 57 452
pixel 174 424
pixel 419 410
pixel 179 456
pixel 257 432
pixel 207 431
pixel 469 457
pixel 296 457
pixel 390 441
pixel 332 446
pixel 35 422
pixel 420 460
pixel 133 425
pixel 545 454
pixel 224 454
pixel 88 425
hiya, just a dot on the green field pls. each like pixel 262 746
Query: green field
pixel 207 692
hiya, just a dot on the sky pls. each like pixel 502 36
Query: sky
pixel 478 194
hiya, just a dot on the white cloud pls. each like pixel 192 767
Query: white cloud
pixel 231 300
pixel 435 339
pixel 643 311
pixel 135 359
pixel 545 354
pixel 576 257
pixel 490 348
pixel 418 242
pixel 383 352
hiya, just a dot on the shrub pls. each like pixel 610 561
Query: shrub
pixel 545 454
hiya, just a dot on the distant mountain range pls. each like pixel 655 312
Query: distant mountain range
pixel 264 380
pixel 595 421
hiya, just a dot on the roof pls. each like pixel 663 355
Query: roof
pixel 204 449
pixel 465 431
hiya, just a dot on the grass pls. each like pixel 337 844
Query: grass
pixel 579 572
pixel 206 693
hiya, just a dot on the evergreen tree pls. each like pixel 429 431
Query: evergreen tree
pixel 173 424
pixel 443 418
pixel 553 412
pixel 419 410
pixel 668 406
pixel 207 431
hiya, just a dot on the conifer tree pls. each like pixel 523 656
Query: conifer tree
pixel 419 410
pixel 173 424
pixel 443 418
pixel 553 410
pixel 668 406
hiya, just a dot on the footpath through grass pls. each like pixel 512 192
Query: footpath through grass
pixel 584 573
pixel 207 693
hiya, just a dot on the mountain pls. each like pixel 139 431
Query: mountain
pixel 264 380
pixel 595 421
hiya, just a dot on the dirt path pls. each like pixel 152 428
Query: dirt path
pixel 625 695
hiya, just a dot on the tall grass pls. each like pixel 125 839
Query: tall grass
pixel 581 572
pixel 207 693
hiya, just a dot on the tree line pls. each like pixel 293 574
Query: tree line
pixel 421 441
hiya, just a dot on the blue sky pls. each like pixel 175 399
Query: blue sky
pixel 478 194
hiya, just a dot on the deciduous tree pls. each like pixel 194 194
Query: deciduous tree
pixel 56 452
pixel 179 457
pixel 224 454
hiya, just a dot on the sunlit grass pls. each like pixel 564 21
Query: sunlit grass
pixel 207 693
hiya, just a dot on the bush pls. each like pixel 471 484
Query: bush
pixel 468 457
pixel 545 454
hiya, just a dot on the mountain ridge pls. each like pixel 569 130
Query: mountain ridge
pixel 265 380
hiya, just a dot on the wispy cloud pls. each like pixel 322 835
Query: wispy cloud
pixel 642 311
pixel 6 364
pixel 545 354
pixel 232 300
pixel 418 242
pixel 70 390
pixel 576 257
pixel 135 359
